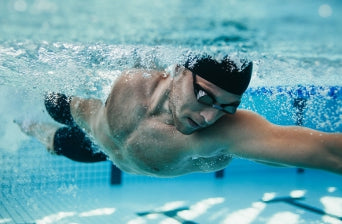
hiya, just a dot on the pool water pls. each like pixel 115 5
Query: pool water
pixel 80 48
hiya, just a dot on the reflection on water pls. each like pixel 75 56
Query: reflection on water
pixel 289 42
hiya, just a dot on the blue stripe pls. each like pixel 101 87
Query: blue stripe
pixel 298 91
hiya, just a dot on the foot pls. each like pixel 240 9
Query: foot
pixel 44 132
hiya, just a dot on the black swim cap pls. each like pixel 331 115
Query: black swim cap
pixel 225 74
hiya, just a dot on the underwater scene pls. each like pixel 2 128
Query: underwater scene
pixel 81 47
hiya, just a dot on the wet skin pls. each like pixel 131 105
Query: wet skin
pixel 153 124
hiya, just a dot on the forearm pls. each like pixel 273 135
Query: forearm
pixel 295 146
pixel 250 136
pixel 312 149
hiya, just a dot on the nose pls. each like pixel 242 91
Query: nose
pixel 210 115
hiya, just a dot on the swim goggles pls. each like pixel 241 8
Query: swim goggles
pixel 206 98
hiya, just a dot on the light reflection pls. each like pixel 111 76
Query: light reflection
pixel 20 6
pixel 137 220
pixel 331 189
pixel 284 218
pixel 330 220
pixel 268 196
pixel 171 205
pixel 218 213
pixel 55 217
pixel 170 221
pixel 199 208
pixel 5 220
pixel 245 216
pixel 332 205
pixel 175 213
pixel 324 11
pixel 96 212
pixel 297 193
pixel 152 216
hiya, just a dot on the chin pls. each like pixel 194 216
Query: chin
pixel 187 132
pixel 184 130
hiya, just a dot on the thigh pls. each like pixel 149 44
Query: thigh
pixel 73 143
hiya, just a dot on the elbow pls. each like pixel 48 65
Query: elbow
pixel 332 157
pixel 336 161
pixel 327 162
pixel 334 165
pixel 339 168
pixel 335 150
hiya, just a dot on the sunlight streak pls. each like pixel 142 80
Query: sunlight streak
pixel 55 217
pixel 200 208
pixel 99 211
pixel 297 193
pixel 245 216
pixel 332 205
pixel 5 220
pixel 284 218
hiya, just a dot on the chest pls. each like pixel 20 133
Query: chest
pixel 159 151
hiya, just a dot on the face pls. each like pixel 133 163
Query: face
pixel 196 103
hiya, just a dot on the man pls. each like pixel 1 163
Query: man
pixel 170 123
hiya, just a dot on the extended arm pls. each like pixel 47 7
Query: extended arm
pixel 255 138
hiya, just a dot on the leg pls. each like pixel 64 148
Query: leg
pixel 70 142
pixel 44 132
pixel 73 111
pixel 85 112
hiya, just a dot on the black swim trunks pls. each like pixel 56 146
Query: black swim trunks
pixel 70 141
pixel 58 107
pixel 73 143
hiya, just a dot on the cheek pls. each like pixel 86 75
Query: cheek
pixel 177 97
pixel 178 106
pixel 183 105
pixel 183 99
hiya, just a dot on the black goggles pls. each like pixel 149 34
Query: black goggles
pixel 206 98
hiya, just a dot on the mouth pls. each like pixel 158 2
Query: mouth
pixel 192 123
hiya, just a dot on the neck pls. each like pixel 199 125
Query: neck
pixel 160 95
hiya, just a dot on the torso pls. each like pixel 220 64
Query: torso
pixel 142 138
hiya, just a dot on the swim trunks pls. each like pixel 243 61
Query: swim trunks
pixel 58 107
pixel 73 143
pixel 70 141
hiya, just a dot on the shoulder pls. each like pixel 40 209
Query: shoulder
pixel 231 130
pixel 249 117
pixel 138 75
pixel 247 124
pixel 136 82
pixel 246 130
pixel 241 120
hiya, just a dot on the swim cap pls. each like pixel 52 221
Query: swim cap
pixel 225 74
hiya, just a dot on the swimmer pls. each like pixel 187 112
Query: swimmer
pixel 178 121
